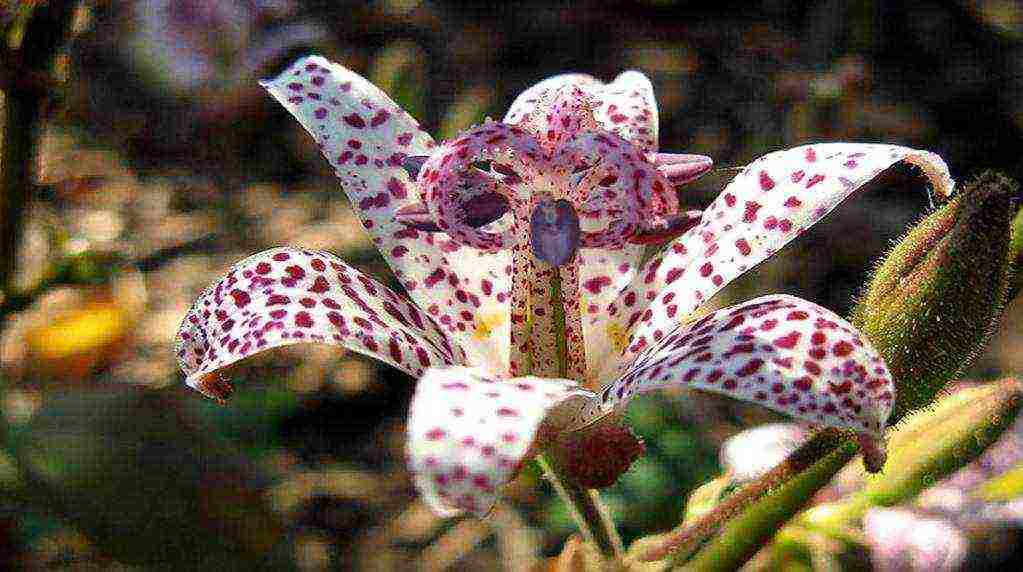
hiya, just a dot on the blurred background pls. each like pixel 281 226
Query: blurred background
pixel 160 161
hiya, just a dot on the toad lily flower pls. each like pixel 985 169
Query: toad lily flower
pixel 531 319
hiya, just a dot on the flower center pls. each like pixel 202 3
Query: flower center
pixel 543 190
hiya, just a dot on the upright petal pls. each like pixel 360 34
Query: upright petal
pixel 625 107
pixel 780 352
pixel 774 200
pixel 468 433
pixel 628 109
pixel 528 101
pixel 365 136
pixel 288 296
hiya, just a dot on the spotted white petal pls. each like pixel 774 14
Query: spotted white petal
pixel 527 102
pixel 469 433
pixel 780 352
pixel 628 109
pixel 365 136
pixel 289 296
pixel 774 200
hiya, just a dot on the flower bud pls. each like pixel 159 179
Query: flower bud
pixel 931 304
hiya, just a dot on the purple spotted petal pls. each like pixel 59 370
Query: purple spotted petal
pixel 774 200
pixel 528 101
pixel 289 296
pixel 468 433
pixel 366 137
pixel 780 352
pixel 628 109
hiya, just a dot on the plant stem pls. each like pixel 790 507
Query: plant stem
pixel 818 447
pixel 589 513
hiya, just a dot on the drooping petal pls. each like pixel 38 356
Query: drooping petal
pixel 781 352
pixel 288 296
pixel 628 109
pixel 366 137
pixel 774 200
pixel 468 433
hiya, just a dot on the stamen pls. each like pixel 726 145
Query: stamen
pixel 575 348
pixel 667 229
pixel 546 330
pixel 682 168
pixel 478 211
pixel 520 361
pixel 452 183
pixel 417 216
pixel 484 209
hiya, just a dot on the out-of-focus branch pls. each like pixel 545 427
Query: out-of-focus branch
pixel 92 268
pixel 24 92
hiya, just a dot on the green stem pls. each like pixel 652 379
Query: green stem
pixel 589 513
pixel 930 446
pixel 741 537
pixel 820 446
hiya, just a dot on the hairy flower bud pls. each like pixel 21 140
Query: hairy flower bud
pixel 932 303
